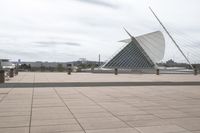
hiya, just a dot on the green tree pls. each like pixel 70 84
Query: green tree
pixel 60 68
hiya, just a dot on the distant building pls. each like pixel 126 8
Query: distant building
pixel 6 64
pixel 83 60
pixel 55 66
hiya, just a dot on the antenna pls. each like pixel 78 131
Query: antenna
pixel 99 60
pixel 128 33
pixel 171 37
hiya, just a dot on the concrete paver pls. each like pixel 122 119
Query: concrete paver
pixel 90 77
pixel 162 129
pixel 14 121
pixel 118 130
pixel 124 109
pixel 101 123
pixel 15 130
pixel 56 128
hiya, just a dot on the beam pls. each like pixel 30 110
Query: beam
pixel 140 47
pixel 171 38
pixel 128 34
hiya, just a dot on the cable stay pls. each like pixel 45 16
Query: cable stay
pixel 171 37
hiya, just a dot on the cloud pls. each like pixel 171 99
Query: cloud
pixel 17 54
pixel 71 29
pixel 100 3
pixel 47 43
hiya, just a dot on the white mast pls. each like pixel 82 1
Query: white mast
pixel 171 38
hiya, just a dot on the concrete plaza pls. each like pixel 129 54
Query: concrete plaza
pixel 106 109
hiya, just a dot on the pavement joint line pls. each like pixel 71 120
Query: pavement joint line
pixel 11 88
pixel 68 108
pixel 13 115
pixel 31 112
pixel 187 90
pixel 54 125
pixel 142 110
pixel 108 111
pixel 56 119
pixel 1 100
pixel 46 106
pixel 154 114
pixel 14 127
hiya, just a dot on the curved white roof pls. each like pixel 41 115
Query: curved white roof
pixel 142 52
pixel 153 44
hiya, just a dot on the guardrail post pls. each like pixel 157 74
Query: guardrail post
pixel 11 73
pixel 69 71
pixel 2 76
pixel 157 71
pixel 195 71
pixel 16 71
pixel 92 69
pixel 116 71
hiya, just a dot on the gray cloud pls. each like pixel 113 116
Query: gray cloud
pixel 36 55
pixel 32 33
pixel 100 3
pixel 48 43
pixel 16 53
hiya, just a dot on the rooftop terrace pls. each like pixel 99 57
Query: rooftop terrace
pixel 103 108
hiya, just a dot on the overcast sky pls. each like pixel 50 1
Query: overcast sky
pixel 66 30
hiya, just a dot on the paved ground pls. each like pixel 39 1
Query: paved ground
pixel 89 77
pixel 136 109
